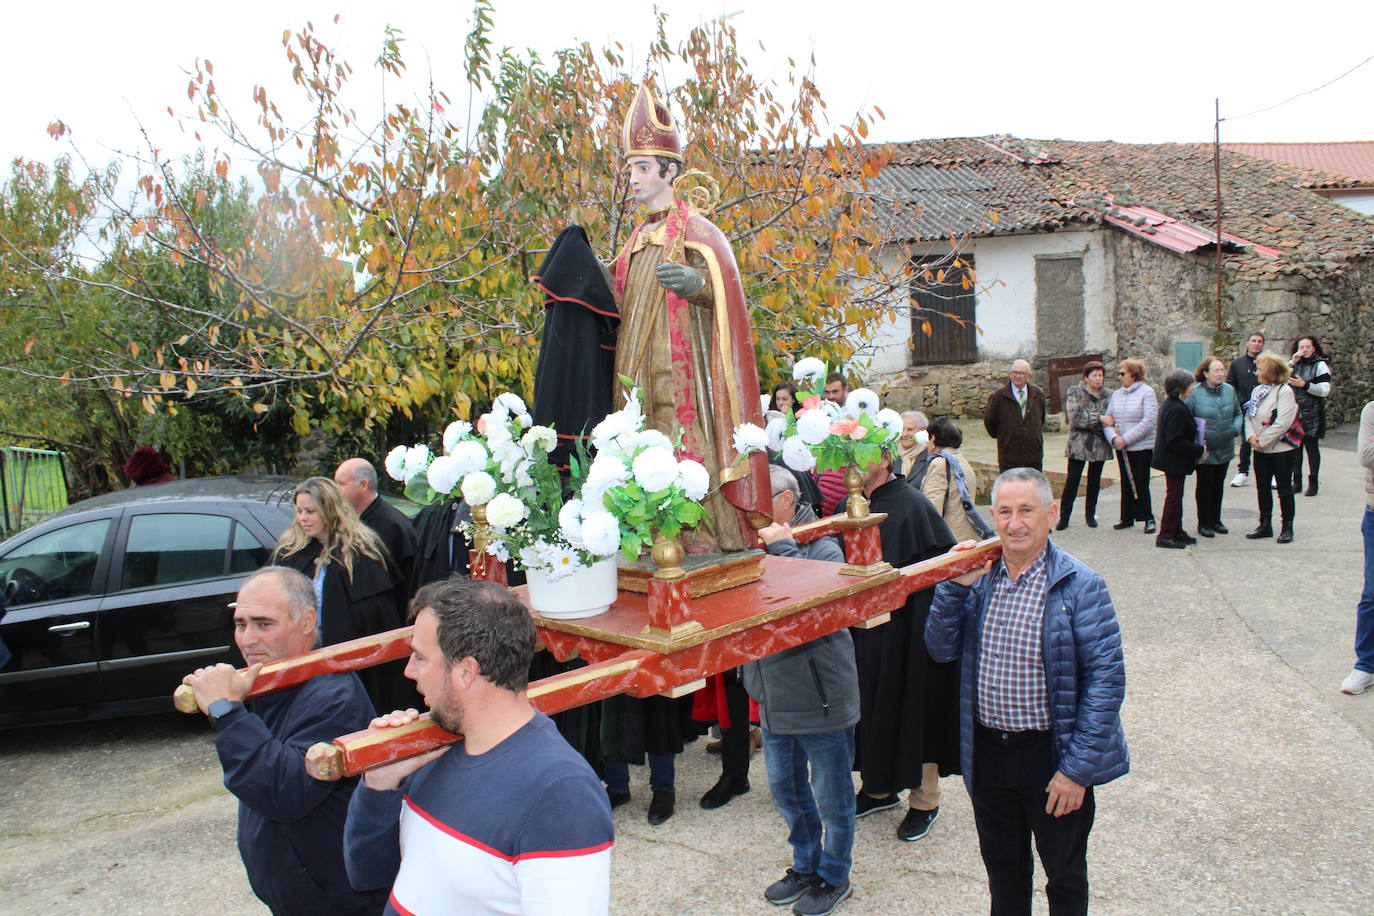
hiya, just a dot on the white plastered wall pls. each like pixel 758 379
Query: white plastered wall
pixel 1005 267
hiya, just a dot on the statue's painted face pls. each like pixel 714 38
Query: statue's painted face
pixel 646 185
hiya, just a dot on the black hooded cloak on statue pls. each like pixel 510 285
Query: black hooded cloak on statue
pixel 576 371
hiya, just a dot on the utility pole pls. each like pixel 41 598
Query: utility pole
pixel 1216 167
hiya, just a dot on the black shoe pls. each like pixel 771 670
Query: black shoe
pixel 789 887
pixel 821 899
pixel 1063 523
pixel 726 788
pixel 1263 531
pixel 865 805
pixel 1285 534
pixel 617 798
pixel 1205 531
pixel 1185 537
pixel 1219 528
pixel 916 824
pixel 661 808
pixel 1311 487
pixel 1150 527
pixel 1123 525
pixel 1170 543
pixel 1091 521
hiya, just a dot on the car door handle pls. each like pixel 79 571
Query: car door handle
pixel 70 627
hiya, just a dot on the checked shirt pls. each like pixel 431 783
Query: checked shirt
pixel 1011 665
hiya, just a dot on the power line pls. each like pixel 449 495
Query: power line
pixel 1301 94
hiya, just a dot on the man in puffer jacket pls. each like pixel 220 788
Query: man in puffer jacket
pixel 808 703
pixel 1042 684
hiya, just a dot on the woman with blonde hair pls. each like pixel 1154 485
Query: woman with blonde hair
pixel 354 578
pixel 1268 416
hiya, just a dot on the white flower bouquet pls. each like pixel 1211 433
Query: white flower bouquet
pixel 637 479
pixel 825 435
pixel 502 465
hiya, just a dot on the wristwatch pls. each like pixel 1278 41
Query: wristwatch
pixel 221 708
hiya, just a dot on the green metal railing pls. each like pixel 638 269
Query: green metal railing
pixel 33 485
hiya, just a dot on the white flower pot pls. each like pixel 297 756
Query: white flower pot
pixel 587 592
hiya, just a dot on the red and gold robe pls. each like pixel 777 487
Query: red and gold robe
pixel 693 362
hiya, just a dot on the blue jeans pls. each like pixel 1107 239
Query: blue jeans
pixel 819 808
pixel 1364 615
pixel 662 773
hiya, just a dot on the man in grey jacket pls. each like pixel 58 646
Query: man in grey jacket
pixel 808 704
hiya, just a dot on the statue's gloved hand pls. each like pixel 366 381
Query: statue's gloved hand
pixel 681 279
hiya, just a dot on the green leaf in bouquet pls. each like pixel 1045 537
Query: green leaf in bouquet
pixel 687 513
pixel 630 545
pixel 418 490
pixel 670 528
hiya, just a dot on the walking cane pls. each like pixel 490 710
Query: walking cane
pixel 1130 475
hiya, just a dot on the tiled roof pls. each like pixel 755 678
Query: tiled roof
pixel 985 198
pixel 1350 160
pixel 940 186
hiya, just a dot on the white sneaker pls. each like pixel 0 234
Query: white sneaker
pixel 1239 480
pixel 1357 681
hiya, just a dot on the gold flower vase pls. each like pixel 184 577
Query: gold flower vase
pixel 667 555
pixel 857 504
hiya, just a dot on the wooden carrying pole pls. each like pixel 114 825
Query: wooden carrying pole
pixel 353 655
pixel 643 672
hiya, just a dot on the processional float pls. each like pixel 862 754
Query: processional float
pixel 666 633
pixel 674 625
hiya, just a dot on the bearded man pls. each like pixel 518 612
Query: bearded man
pixel 507 820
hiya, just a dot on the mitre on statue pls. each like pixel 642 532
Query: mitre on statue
pixel 649 129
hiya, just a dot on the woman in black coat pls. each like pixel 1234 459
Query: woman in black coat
pixel 1176 453
pixel 354 578
pixel 1311 386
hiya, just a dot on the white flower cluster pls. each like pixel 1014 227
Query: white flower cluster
pixel 404 463
pixel 594 530
pixel 808 371
pixel 816 424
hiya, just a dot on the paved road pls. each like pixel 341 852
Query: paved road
pixel 1249 791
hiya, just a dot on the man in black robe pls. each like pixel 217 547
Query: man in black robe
pixel 908 733
pixel 357 480
pixel 441 550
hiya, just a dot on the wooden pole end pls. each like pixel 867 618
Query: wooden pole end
pixel 184 699
pixel 324 762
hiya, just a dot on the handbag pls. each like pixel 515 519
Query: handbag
pixel 971 513
pixel 1295 433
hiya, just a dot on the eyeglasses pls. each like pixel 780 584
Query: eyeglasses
pixel 780 492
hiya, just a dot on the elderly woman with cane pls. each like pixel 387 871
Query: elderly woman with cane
pixel 1129 426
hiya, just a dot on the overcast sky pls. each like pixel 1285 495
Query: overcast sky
pixel 1100 70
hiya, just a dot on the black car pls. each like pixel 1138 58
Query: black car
pixel 114 599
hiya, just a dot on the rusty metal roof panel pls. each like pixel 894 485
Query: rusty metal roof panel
pixel 1354 159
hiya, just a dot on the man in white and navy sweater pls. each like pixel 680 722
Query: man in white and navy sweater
pixel 508 820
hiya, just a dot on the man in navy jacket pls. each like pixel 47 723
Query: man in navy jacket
pixel 290 826
pixel 1042 685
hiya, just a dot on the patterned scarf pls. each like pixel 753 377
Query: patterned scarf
pixel 1255 398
